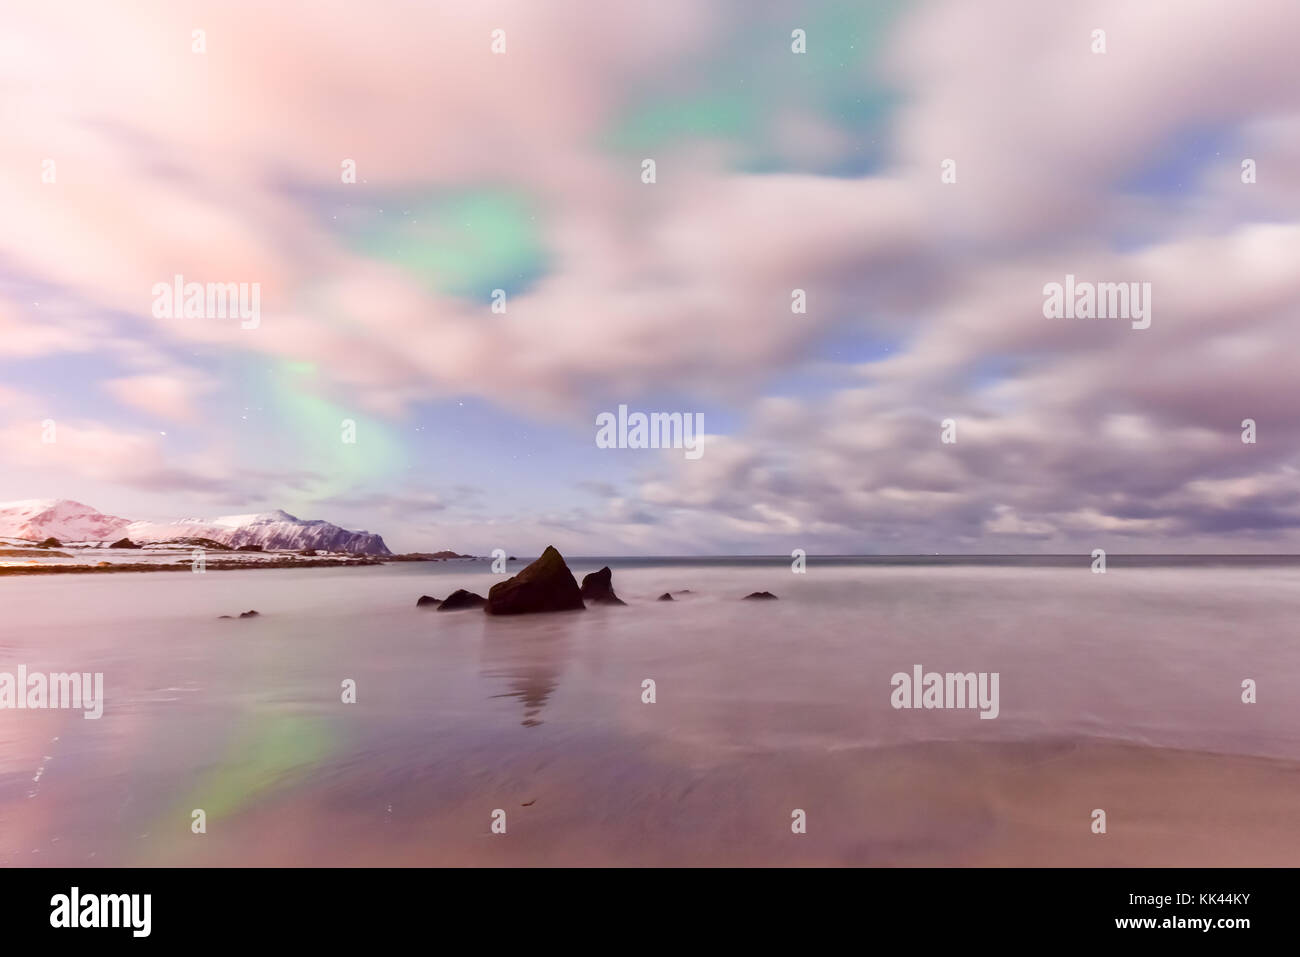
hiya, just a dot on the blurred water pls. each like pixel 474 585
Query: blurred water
pixel 243 718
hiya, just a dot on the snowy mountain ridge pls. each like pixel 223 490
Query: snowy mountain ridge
pixel 38 519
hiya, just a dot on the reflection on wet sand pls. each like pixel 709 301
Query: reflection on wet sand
pixel 531 664
pixel 532 687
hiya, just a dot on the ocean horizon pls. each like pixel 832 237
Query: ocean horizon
pixel 1053 560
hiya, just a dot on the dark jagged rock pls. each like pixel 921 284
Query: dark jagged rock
pixel 760 596
pixel 545 585
pixel 50 542
pixel 461 598
pixel 598 587
pixel 205 543
pixel 243 614
pixel 426 600
pixel 124 543
pixel 666 597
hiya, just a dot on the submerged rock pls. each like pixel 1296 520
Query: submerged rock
pixel 243 614
pixel 598 587
pixel 545 585
pixel 461 598
pixel 760 596
pixel 425 600
pixel 665 597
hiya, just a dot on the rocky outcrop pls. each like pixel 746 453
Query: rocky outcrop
pixel 598 587
pixel 545 585
pixel 760 596
pixel 426 601
pixel 243 614
pixel 665 597
pixel 461 598
pixel 124 543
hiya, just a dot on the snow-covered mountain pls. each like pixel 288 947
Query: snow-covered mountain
pixel 274 529
pixel 36 520
pixel 61 518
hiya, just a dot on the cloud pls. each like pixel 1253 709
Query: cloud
pixel 161 395
pixel 224 166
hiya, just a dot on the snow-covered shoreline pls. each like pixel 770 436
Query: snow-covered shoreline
pixel 20 559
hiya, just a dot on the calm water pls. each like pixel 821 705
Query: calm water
pixel 461 713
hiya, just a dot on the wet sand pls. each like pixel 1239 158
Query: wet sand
pixel 941 804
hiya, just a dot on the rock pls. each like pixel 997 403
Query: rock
pixel 760 595
pixel 425 600
pixel 124 543
pixel 684 591
pixel 545 585
pixel 598 587
pixel 50 542
pixel 249 548
pixel 248 614
pixel 665 597
pixel 461 598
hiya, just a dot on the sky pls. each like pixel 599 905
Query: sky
pixel 920 170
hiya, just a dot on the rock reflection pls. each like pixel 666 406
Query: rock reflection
pixel 533 688
pixel 530 663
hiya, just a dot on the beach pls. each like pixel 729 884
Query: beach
pixel 1120 692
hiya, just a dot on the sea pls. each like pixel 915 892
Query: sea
pixel 344 725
